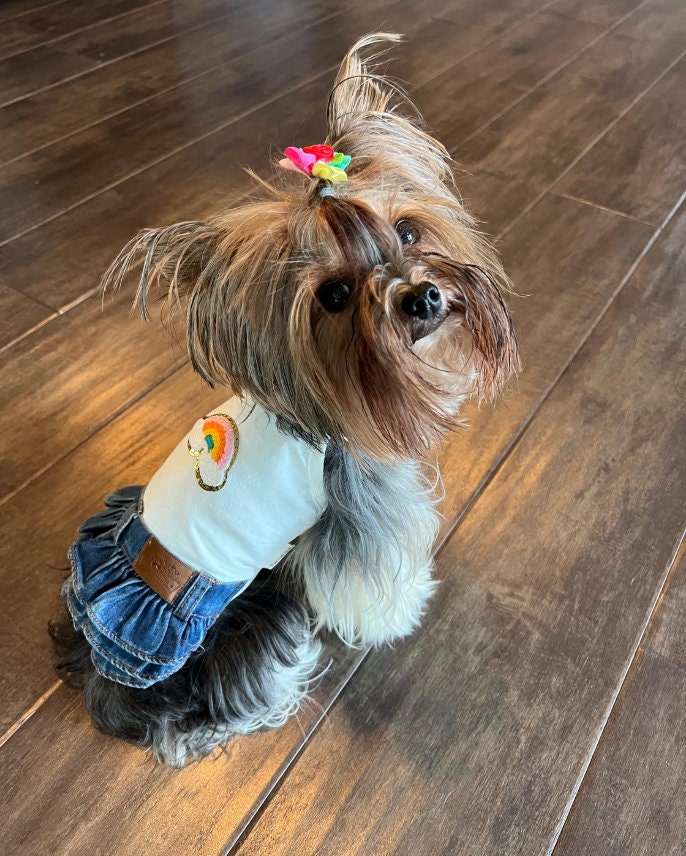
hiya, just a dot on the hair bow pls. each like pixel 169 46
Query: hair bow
pixel 319 161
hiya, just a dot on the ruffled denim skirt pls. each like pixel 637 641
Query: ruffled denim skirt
pixel 137 638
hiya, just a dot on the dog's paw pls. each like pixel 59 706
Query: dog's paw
pixel 362 613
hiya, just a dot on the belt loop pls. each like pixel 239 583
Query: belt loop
pixel 126 518
pixel 192 596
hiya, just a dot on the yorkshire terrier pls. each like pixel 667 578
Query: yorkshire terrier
pixel 352 312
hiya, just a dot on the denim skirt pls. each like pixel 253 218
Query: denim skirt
pixel 137 638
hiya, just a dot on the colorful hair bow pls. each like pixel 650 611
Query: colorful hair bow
pixel 318 161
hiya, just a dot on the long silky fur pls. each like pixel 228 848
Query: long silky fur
pixel 253 671
pixel 366 564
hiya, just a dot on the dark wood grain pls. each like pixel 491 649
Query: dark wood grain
pixel 68 172
pixel 554 124
pixel 491 15
pixel 18 313
pixel 567 260
pixel 639 168
pixel 86 163
pixel 483 85
pixel 161 22
pixel 54 20
pixel 65 258
pixel 604 12
pixel 39 119
pixel 17 8
pixel 630 803
pixel 495 199
pixel 43 66
pixel 83 164
pixel 469 738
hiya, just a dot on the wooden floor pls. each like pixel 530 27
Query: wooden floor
pixel 541 707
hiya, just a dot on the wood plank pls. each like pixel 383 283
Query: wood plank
pixel 42 66
pixel 541 135
pixel 18 313
pixel 568 274
pixel 16 8
pixel 160 22
pixel 62 394
pixel 482 85
pixel 39 119
pixel 50 22
pixel 40 186
pixel 630 803
pixel 492 15
pixel 104 154
pixel 128 811
pixel 476 735
pixel 604 12
pixel 493 198
pixel 639 167
pixel 23 73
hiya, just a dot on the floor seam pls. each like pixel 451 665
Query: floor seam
pixel 107 116
pixel 82 29
pixel 594 142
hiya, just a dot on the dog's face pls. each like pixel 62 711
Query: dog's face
pixel 366 314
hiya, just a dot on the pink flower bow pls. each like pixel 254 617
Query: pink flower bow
pixel 320 161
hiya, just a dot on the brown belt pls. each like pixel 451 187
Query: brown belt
pixel 164 573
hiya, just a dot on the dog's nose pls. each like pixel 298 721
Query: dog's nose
pixel 423 302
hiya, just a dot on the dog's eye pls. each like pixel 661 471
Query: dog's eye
pixel 407 232
pixel 334 295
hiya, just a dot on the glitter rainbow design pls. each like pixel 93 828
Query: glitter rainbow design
pixel 213 443
pixel 320 161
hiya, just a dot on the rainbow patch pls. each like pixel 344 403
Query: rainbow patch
pixel 213 443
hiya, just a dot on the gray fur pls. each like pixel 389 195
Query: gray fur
pixel 366 563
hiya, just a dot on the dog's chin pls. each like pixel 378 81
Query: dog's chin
pixel 423 329
pixel 448 361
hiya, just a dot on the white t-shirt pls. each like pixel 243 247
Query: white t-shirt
pixel 233 495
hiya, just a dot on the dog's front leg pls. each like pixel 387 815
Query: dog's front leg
pixel 366 565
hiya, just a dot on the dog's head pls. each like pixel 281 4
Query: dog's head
pixel 364 311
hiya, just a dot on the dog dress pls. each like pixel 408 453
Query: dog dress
pixel 154 570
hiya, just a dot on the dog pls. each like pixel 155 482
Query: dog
pixel 351 309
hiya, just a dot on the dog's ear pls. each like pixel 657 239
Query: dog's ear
pixel 172 258
pixel 358 90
